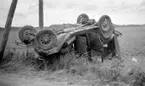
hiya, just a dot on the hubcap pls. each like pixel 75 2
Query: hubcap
pixel 45 40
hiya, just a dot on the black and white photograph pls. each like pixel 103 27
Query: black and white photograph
pixel 72 42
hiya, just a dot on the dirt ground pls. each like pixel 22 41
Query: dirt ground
pixel 132 46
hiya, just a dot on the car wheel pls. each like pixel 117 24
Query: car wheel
pixel 82 18
pixel 45 39
pixel 106 26
pixel 27 34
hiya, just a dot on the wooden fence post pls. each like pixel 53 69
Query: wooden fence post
pixel 41 24
pixel 7 28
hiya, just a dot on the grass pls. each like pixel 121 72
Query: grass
pixel 96 73
pixel 16 62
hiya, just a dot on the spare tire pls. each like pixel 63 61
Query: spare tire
pixel 45 39
pixel 106 26
pixel 27 34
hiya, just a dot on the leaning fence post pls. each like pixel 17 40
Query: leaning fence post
pixel 7 28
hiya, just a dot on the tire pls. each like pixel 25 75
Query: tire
pixel 82 18
pixel 45 39
pixel 27 34
pixel 106 26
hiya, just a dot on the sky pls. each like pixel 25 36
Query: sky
pixel 67 11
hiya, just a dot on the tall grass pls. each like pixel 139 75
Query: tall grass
pixel 15 62
pixel 108 72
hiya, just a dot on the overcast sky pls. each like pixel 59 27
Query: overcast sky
pixel 67 11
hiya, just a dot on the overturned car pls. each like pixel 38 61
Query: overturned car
pixel 85 36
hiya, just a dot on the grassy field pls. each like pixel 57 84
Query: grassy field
pixel 12 37
pixel 132 42
pixel 82 73
pixel 132 46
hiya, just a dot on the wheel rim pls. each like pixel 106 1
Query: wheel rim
pixel 45 40
pixel 105 25
pixel 27 34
